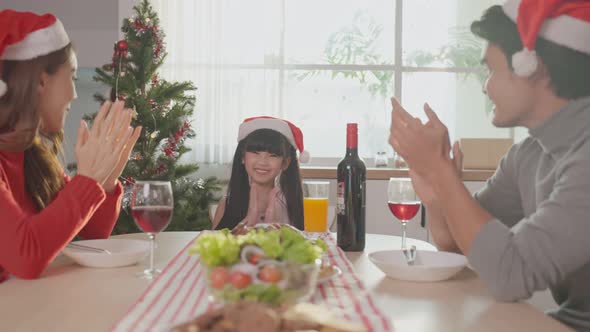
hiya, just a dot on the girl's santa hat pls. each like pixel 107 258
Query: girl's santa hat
pixel 289 130
pixel 563 22
pixel 26 35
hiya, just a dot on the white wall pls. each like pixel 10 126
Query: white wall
pixel 92 25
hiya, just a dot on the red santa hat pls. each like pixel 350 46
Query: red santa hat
pixel 563 22
pixel 26 35
pixel 289 130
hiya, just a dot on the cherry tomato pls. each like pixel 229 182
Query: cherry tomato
pixel 219 277
pixel 240 280
pixel 254 258
pixel 270 274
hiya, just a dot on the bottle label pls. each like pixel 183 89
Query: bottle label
pixel 340 198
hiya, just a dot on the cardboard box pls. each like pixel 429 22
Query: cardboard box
pixel 484 153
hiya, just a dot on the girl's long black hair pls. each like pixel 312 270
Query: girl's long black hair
pixel 238 192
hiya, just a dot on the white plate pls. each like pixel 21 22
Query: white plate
pixel 429 266
pixel 123 252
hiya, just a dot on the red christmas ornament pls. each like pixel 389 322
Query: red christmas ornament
pixel 168 152
pixel 122 45
pixel 118 55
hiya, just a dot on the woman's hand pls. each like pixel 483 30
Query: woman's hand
pixel 111 181
pixel 102 151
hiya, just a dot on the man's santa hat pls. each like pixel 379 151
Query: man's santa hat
pixel 563 22
pixel 289 130
pixel 26 35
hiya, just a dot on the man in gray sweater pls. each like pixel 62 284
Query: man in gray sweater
pixel 528 229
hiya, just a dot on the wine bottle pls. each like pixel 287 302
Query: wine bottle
pixel 351 194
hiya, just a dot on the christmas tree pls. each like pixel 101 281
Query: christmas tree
pixel 165 110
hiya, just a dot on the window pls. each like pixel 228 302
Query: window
pixel 324 63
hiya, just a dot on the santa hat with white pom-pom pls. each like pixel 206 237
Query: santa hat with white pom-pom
pixel 26 35
pixel 563 22
pixel 289 130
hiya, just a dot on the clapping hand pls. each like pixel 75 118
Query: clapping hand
pixel 102 152
pixel 262 208
pixel 423 146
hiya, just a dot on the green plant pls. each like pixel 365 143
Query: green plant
pixel 355 44
pixel 464 51
pixel 165 110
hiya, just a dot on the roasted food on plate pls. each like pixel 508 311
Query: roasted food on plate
pixel 245 316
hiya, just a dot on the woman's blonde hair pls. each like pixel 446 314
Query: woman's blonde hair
pixel 20 124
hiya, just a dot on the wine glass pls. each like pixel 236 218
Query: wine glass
pixel 152 205
pixel 403 202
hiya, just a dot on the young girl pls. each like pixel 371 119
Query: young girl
pixel 265 184
pixel 41 210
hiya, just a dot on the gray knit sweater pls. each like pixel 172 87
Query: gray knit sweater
pixel 540 199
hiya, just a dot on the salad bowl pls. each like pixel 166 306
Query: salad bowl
pixel 276 266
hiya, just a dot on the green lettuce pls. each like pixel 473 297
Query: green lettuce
pixel 221 248
pixel 217 248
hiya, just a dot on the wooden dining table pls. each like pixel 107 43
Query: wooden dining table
pixel 69 297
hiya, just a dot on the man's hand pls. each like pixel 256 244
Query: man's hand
pixel 423 189
pixel 423 146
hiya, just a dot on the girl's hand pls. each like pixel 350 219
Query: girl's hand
pixel 272 213
pixel 259 202
pixel 252 217
pixel 100 149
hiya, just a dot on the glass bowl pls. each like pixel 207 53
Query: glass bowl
pixel 268 281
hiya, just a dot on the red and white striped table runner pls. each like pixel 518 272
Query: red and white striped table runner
pixel 180 293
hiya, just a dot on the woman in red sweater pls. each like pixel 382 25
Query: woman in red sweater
pixel 41 209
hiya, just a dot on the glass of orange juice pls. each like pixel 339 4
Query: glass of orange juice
pixel 315 205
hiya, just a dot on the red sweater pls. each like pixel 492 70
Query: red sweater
pixel 30 239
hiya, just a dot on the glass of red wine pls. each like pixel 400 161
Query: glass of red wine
pixel 403 202
pixel 152 205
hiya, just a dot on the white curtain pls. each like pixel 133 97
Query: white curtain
pixel 221 46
